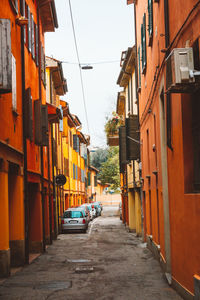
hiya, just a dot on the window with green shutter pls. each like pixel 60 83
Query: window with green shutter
pixel 143 44
pixel 89 178
pixel 150 20
pixel 139 69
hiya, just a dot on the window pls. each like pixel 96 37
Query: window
pixel 14 83
pixel 89 178
pixel 32 37
pixel 36 45
pixel 29 29
pixel 143 44
pixel 74 172
pixel 43 66
pixel 73 214
pixel 150 18
pixel 75 142
pixel 5 56
pixel 139 70
pixel 14 5
pixel 129 97
pixel 24 15
pixel 95 180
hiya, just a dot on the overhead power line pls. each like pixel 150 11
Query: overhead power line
pixel 81 77
pixel 92 63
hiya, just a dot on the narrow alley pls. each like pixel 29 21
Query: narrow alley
pixel 107 262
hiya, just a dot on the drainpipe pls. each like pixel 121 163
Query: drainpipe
pixel 54 188
pixel 49 188
pixel 26 201
pixel 137 97
pixel 166 200
pixel 41 147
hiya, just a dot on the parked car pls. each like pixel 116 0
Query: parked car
pixel 100 205
pixel 89 206
pixel 74 219
pixel 87 211
pixel 97 207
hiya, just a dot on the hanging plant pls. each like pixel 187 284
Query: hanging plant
pixel 112 124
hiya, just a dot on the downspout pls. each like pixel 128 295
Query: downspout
pixel 165 192
pixel 53 164
pixel 54 188
pixel 41 147
pixel 138 108
pixel 49 188
pixel 26 200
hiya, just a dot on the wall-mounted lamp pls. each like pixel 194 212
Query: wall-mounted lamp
pixel 21 21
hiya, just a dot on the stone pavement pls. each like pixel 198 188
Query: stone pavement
pixel 107 263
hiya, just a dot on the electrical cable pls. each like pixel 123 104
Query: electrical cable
pixel 92 63
pixel 81 77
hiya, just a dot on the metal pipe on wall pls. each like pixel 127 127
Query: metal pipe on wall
pixel 26 201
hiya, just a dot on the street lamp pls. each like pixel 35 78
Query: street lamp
pixel 87 67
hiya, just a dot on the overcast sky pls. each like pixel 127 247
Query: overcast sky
pixel 104 28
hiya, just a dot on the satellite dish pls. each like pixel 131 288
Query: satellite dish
pixel 61 179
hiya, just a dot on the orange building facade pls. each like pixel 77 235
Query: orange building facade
pixel 169 133
pixel 23 149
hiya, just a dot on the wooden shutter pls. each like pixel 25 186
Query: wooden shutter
pixel 28 115
pixel 29 29
pixel 144 43
pixel 32 37
pixel 75 142
pixel 130 2
pixel 122 147
pixel 73 171
pixel 16 5
pixel 139 69
pixel 24 15
pixel 14 84
pixel 95 180
pixel 54 152
pixel 132 135
pixel 5 57
pixel 61 120
pixel 89 178
pixel 36 46
pixel 78 144
pixel 45 126
pixel 43 66
pixel 150 18
pixel 37 120
pixel 67 167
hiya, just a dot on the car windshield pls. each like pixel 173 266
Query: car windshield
pixel 73 214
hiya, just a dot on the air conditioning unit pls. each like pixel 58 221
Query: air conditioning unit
pixel 180 71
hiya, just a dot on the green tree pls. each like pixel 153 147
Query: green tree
pixel 98 157
pixel 109 171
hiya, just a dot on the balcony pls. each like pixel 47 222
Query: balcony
pixel 113 139
pixel 111 129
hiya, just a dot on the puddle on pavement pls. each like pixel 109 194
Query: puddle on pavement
pixel 84 270
pixel 54 285
pixel 78 260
